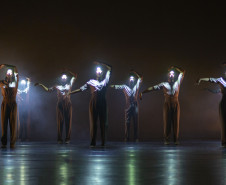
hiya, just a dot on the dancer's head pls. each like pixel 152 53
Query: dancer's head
pixel 9 75
pixel 63 78
pixel 171 76
pixel 99 72
pixel 131 80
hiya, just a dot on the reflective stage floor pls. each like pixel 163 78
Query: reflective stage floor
pixel 192 163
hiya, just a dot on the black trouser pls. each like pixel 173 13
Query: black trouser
pixel 64 115
pixel 131 113
pixel 97 109
pixel 222 110
pixel 8 114
pixel 171 117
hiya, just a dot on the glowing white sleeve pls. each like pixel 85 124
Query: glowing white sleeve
pixel 72 80
pixel 180 78
pixel 107 78
pixel 119 86
pixel 159 86
pixel 138 83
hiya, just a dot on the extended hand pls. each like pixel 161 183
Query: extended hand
pixel 198 82
pixel 36 84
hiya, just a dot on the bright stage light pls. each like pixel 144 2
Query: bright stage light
pixel 64 77
pixel 99 70
pixel 23 82
pixel 131 79
pixel 9 72
pixel 171 74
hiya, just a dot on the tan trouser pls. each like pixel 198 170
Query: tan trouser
pixel 171 117
pixel 64 115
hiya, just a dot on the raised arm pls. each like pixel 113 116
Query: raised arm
pixel 139 79
pixel 179 69
pixel 74 77
pixel 137 75
pixel 181 73
pixel 46 88
pixel 105 65
pixel 108 73
pixel 16 76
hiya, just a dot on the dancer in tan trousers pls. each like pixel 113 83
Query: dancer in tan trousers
pixel 64 106
pixel 131 92
pixel 9 88
pixel 171 109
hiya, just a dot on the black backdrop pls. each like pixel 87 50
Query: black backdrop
pixel 42 38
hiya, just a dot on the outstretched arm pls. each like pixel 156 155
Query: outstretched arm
pixel 75 91
pixel 203 79
pixel 83 88
pixel 117 86
pixel 46 88
pixel 153 88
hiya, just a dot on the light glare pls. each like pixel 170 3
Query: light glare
pixel 99 71
pixel 23 82
pixel 9 72
pixel 64 77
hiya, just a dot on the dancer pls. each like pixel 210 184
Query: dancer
pixel 9 88
pixel 98 104
pixel 23 122
pixel 131 110
pixel 64 106
pixel 222 107
pixel 171 109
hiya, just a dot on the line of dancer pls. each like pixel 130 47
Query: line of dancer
pixel 98 103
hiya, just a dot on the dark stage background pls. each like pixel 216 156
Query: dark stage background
pixel 43 38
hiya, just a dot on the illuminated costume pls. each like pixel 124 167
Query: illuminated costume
pixel 9 88
pixel 98 105
pixel 222 107
pixel 64 106
pixel 23 110
pixel 171 109
pixel 131 109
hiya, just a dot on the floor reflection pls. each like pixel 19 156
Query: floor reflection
pixel 127 164
pixel 98 168
pixel 172 167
